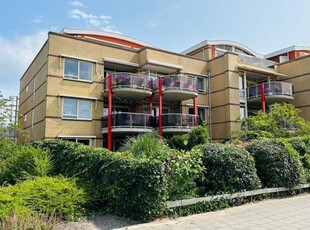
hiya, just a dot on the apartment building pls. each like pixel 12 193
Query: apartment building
pixel 98 88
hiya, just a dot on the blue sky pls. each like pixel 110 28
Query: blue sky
pixel 263 25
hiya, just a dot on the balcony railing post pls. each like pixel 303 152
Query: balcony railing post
pixel 110 112
pixel 160 94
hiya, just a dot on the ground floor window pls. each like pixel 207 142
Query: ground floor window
pixel 78 140
pixel 242 111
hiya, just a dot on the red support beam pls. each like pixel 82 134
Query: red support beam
pixel 195 110
pixel 263 102
pixel 160 97
pixel 110 112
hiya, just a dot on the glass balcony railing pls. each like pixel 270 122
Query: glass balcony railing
pixel 270 88
pixel 178 82
pixel 129 120
pixel 255 61
pixel 130 80
pixel 178 120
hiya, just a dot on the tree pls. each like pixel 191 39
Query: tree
pixel 8 117
pixel 282 121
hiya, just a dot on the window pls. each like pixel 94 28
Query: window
pixel 27 88
pixel 78 70
pixel 201 85
pixel 242 111
pixel 201 112
pixel 82 141
pixel 25 117
pixel 241 86
pixel 76 109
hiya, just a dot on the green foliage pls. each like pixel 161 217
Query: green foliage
pixel 228 169
pixel 147 145
pixel 54 196
pixel 18 162
pixel 282 121
pixel 276 165
pixel 119 183
pixel 301 144
pixel 177 142
pixel 196 136
pixel 182 168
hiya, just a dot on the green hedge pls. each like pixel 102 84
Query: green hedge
pixel 114 182
pixel 52 196
pixel 276 165
pixel 21 161
pixel 228 169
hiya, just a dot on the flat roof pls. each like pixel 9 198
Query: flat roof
pixel 286 50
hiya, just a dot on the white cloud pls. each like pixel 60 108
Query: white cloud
pixel 37 20
pixel 101 21
pixel 16 55
pixel 77 4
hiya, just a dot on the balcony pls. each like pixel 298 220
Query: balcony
pixel 255 61
pixel 178 88
pixel 177 123
pixel 128 123
pixel 275 92
pixel 130 86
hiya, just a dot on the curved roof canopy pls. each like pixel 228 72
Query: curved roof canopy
pixel 107 37
pixel 222 42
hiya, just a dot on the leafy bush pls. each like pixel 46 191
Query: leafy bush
pixel 301 144
pixel 54 196
pixel 177 142
pixel 119 183
pixel 276 165
pixel 182 168
pixel 18 162
pixel 228 169
pixel 196 136
pixel 282 121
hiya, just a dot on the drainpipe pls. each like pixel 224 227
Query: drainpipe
pixel 262 90
pixel 110 112
pixel 209 103
pixel 160 95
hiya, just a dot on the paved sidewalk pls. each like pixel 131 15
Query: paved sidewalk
pixel 290 213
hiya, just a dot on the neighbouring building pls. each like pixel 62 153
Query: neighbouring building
pixel 97 88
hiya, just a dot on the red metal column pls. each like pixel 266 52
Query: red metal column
pixel 195 110
pixel 263 102
pixel 110 112
pixel 160 96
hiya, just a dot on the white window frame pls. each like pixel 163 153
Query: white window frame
pixel 204 84
pixel 77 109
pixel 77 138
pixel 77 78
pixel 205 108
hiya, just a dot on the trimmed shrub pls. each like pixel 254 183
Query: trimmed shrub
pixel 19 162
pixel 114 182
pixel 301 144
pixel 177 142
pixel 53 196
pixel 228 169
pixel 182 168
pixel 196 136
pixel 276 165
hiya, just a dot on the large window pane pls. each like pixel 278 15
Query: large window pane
pixel 85 71
pixel 84 109
pixel 201 84
pixel 71 69
pixel 69 108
